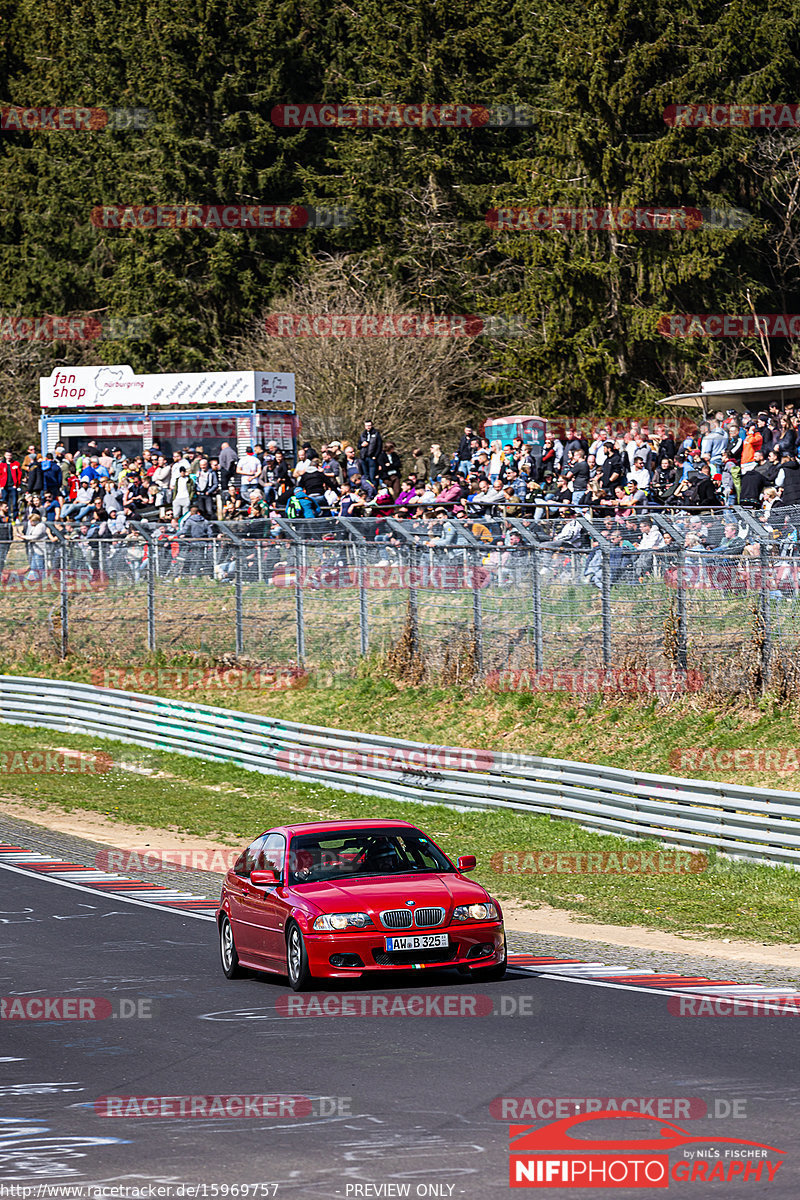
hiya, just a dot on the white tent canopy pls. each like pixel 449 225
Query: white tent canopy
pixel 740 394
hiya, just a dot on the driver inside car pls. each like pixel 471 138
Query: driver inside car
pixel 381 856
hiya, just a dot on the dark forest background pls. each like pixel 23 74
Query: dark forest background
pixel 598 77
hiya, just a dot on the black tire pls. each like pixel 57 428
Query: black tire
pixel 227 950
pixel 492 974
pixel 300 978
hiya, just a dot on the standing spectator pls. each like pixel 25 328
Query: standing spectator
pixel 578 474
pixel 788 480
pixel 134 554
pixel 438 462
pixel 464 452
pixel 370 446
pixel 51 472
pixel 162 476
pixel 652 539
pixel 314 481
pixel 183 494
pixel 764 428
pixel 35 484
pixel 390 469
pixel 249 469
pixel 6 533
pixel 420 465
pixel 227 463
pixel 206 489
pixel 640 477
pixel 613 468
pixel 735 442
pixel 199 531
pixel 10 480
pixel 787 439
pixel 752 443
pixel 66 463
pixel 301 504
pixel 178 460
pixel 330 467
pixel 35 536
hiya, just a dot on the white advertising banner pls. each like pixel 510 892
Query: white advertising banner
pixel 118 387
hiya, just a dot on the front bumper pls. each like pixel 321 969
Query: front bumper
pixel 471 945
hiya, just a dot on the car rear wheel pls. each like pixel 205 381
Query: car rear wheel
pixel 491 974
pixel 300 976
pixel 227 950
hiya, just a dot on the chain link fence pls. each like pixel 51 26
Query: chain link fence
pixel 520 602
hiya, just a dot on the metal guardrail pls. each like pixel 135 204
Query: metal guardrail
pixel 762 824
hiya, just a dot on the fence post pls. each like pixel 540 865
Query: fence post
pixel 766 616
pixel 764 540
pixel 413 599
pixel 477 615
pixel 680 604
pixel 151 594
pixel 363 611
pixel 237 578
pixel 606 605
pixel 536 591
pixel 298 602
pixel 64 603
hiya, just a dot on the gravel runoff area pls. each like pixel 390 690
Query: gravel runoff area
pixel 207 886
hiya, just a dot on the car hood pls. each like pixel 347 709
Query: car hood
pixel 368 894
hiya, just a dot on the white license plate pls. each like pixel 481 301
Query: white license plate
pixel 423 941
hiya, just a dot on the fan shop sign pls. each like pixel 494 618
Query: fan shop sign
pixel 381 577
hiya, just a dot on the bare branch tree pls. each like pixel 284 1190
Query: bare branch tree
pixel 416 389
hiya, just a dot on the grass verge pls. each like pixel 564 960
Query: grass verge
pixel 170 791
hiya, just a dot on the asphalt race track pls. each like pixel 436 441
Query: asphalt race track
pixel 409 1096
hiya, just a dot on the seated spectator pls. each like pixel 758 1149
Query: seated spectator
pixel 731 544
pixel 234 508
pixel 94 470
pixel 447 532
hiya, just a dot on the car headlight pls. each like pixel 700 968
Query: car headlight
pixel 475 912
pixel 358 920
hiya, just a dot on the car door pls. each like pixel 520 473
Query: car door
pixel 269 909
pixel 245 904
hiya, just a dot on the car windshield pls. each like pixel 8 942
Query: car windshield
pixel 354 853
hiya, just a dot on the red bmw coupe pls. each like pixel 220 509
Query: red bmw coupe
pixel 338 898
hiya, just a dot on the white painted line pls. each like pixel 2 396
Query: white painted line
pixel 738 989
pixel 665 993
pixel 181 912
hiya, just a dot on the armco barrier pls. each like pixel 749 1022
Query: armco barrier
pixel 758 824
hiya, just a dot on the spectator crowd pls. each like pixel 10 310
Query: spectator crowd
pixel 614 478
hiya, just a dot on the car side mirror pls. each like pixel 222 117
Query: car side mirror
pixel 467 862
pixel 264 878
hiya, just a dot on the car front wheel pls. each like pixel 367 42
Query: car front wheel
pixel 227 950
pixel 300 976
